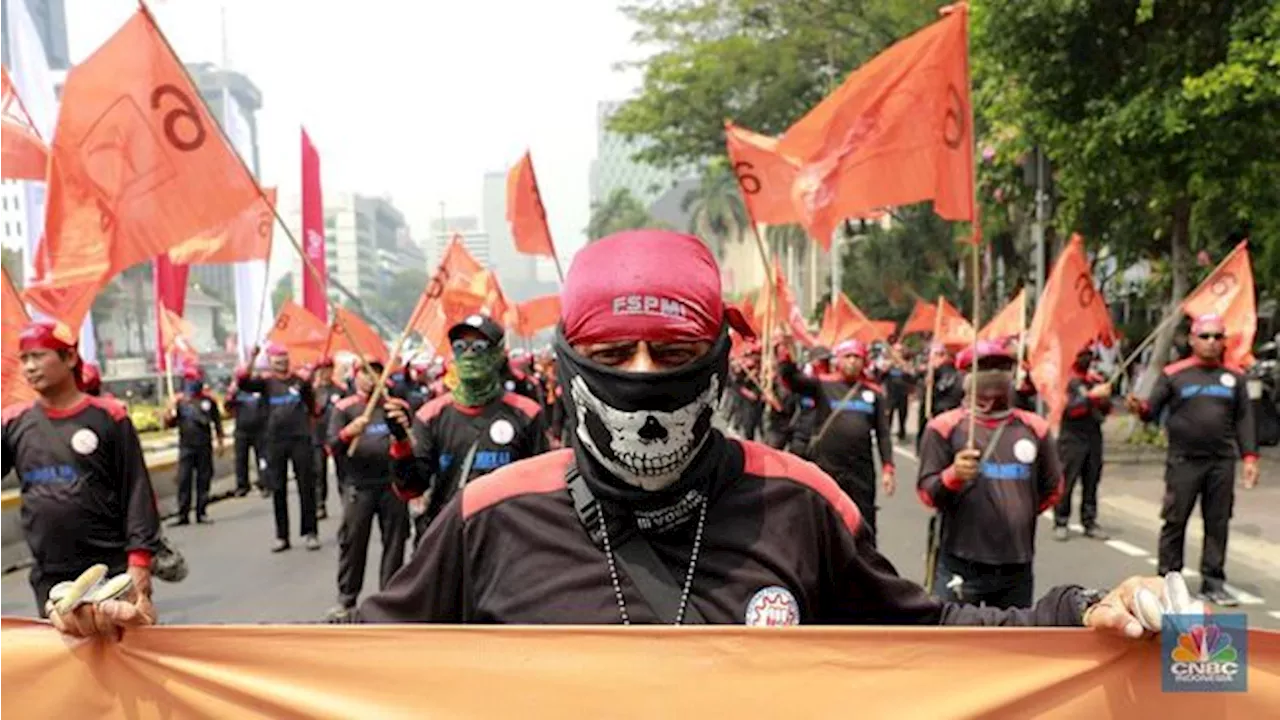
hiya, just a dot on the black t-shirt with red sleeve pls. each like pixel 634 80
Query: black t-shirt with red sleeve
pixel 86 493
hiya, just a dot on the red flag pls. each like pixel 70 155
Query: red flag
pixel 25 156
pixel 525 211
pixel 15 387
pixel 538 314
pixel 315 279
pixel 920 320
pixel 1070 315
pixel 170 283
pixel 245 237
pixel 787 311
pixel 764 176
pixel 69 305
pixel 1229 292
pixel 897 131
pixel 301 332
pixel 457 269
pixel 954 330
pixel 1009 322
pixel 352 334
pixel 137 163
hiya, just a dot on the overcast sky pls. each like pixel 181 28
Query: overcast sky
pixel 416 99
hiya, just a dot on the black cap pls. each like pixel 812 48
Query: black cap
pixel 482 324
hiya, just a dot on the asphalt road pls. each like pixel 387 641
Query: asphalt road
pixel 235 579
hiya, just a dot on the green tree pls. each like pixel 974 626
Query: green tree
pixel 1154 114
pixel 620 211
pixel 283 291
pixel 717 213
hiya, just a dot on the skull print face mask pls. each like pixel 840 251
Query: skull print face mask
pixel 644 428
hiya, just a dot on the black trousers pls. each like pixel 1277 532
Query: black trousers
pixel 195 471
pixel 1081 460
pixel 280 454
pixel 321 465
pixel 360 505
pixel 752 413
pixel 859 484
pixel 1212 480
pixel 42 581
pixel 898 409
pixel 243 444
pixel 1000 586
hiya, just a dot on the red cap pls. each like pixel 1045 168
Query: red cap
pixel 645 285
pixel 46 335
pixel 90 378
pixel 1211 322
pixel 850 347
pixel 192 372
pixel 275 349
pixel 987 349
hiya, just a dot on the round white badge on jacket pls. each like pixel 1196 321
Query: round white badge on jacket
pixel 1228 380
pixel 205 405
pixel 772 606
pixel 868 396
pixel 84 441
pixel 1025 451
pixel 502 432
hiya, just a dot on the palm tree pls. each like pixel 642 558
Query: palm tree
pixel 620 211
pixel 717 213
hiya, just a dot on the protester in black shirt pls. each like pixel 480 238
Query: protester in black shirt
pixel 327 394
pixel 748 534
pixel 250 412
pixel 1210 424
pixel 1080 446
pixel 290 415
pixel 366 491
pixel 196 415
pixel 86 494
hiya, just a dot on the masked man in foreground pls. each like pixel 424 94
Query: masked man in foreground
pixel 654 516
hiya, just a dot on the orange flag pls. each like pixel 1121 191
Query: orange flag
pixel 1229 292
pixel 69 305
pixel 25 156
pixel 954 330
pixel 764 176
pixel 175 337
pixel 880 330
pixel 138 164
pixel 525 212
pixel 846 319
pixel 457 269
pixel 787 311
pixel 245 237
pixel 897 131
pixel 15 388
pixel 1010 321
pixel 1071 314
pixel 920 320
pixel 352 334
pixel 301 332
pixel 538 314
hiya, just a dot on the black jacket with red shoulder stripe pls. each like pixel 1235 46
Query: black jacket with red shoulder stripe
pixel 370 464
pixel 992 518
pixel 508 429
pixel 86 492
pixel 1210 413
pixel 1083 415
pixel 782 545
pixel 861 418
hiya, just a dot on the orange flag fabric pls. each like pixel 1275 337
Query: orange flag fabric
pixel 787 312
pixel 525 211
pixel 1229 292
pixel 1071 314
pixel 15 388
pixel 301 332
pixel 954 330
pixel 451 671
pixel 1009 322
pixel 138 165
pixel 457 269
pixel 245 237
pixel 897 131
pixel 920 320
pixel 352 334
pixel 24 155
pixel 69 305
pixel 764 176
pixel 538 314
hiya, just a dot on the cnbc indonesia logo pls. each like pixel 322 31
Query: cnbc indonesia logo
pixel 1204 656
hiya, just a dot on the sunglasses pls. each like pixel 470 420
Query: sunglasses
pixel 478 345
pixel 1211 336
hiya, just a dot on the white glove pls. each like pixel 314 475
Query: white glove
pixel 1150 609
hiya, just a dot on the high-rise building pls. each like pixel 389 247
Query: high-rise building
pixel 366 244
pixel 234 100
pixel 614 166
pixel 474 239
pixel 50 20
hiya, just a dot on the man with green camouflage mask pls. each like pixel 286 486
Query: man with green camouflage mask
pixel 471 431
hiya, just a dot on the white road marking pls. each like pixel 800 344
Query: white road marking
pixel 1134 551
pixel 1127 548
pixel 1244 597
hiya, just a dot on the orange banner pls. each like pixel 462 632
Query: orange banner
pixel 525 211
pixel 764 176
pixel 537 314
pixel 15 388
pixel 245 237
pixel 644 672
pixel 921 319
pixel 352 334
pixel 302 333
pixel 1229 292
pixel 1009 322
pixel 25 156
